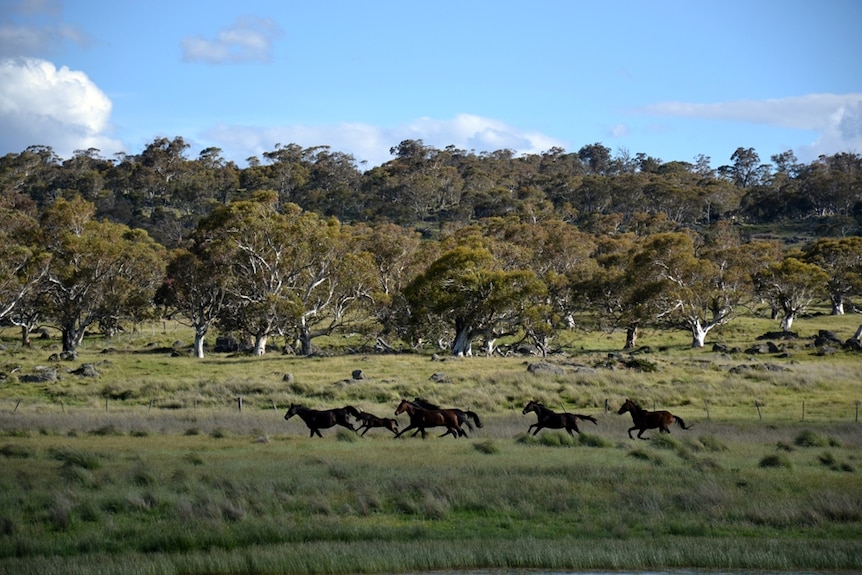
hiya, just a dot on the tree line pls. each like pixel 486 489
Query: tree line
pixel 443 248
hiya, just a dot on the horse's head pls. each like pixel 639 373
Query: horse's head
pixel 629 405
pixel 531 406
pixel 404 406
pixel 293 410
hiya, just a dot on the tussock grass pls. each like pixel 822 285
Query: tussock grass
pixel 153 468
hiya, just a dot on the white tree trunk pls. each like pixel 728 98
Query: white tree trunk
pixel 698 334
pixel 837 307
pixel 260 345
pixel 199 343
pixel 787 321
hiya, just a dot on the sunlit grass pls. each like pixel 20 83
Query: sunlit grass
pixel 169 464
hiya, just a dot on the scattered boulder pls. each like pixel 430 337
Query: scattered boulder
pixel 358 374
pixel 42 375
pixel 226 344
pixel 545 368
pixel 287 378
pixel 439 378
pixel 86 370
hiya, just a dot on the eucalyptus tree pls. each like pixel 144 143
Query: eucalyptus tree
pixel 100 272
pixel 466 293
pixel 292 272
pixel 682 284
pixel 841 259
pixel 194 290
pixel 790 287
pixel 23 265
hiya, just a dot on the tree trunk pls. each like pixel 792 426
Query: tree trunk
pixel 25 336
pixel 858 334
pixel 631 336
pixel 490 346
pixel 837 305
pixel 698 335
pixel 199 343
pixel 72 337
pixel 463 346
pixel 787 320
pixel 304 341
pixel 260 344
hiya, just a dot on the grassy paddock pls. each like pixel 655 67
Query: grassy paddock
pixel 151 467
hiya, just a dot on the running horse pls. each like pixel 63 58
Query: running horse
pixel 554 420
pixel 323 419
pixel 369 420
pixel 644 419
pixel 422 418
pixel 463 416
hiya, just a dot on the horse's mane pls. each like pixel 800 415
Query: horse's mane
pixel 424 403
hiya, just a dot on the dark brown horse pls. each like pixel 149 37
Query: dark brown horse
pixel 463 416
pixel 644 419
pixel 421 419
pixel 317 419
pixel 554 420
pixel 369 420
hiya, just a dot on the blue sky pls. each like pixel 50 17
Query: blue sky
pixel 669 78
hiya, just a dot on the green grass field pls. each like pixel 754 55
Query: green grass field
pixel 151 467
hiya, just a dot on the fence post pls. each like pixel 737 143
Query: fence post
pixel 706 403
pixel 803 410
pixel 857 411
pixel 19 403
pixel 757 405
pixel 607 406
pixel 239 403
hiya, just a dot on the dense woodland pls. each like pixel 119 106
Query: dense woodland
pixel 444 249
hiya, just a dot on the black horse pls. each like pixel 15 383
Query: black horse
pixel 464 417
pixel 369 420
pixel 554 420
pixel 644 419
pixel 317 419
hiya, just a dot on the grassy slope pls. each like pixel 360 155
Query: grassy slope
pixel 170 477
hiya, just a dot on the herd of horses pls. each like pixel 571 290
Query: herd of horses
pixel 425 415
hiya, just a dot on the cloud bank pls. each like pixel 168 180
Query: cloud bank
pixel 370 144
pixel 249 39
pixel 836 119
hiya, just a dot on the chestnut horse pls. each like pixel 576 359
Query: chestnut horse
pixel 463 416
pixel 370 420
pixel 317 420
pixel 554 420
pixel 421 419
pixel 644 419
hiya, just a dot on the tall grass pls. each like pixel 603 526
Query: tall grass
pixel 153 468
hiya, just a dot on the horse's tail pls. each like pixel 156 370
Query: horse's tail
pixel 475 417
pixel 588 418
pixel 463 418
pixel 353 411
pixel 682 423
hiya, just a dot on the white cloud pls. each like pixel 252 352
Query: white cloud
pixel 835 118
pixel 29 27
pixel 248 39
pixel 371 144
pixel 43 105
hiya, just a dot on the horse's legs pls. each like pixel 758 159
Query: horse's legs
pixel 313 431
pixel 641 433
pixel 632 429
pixel 405 430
